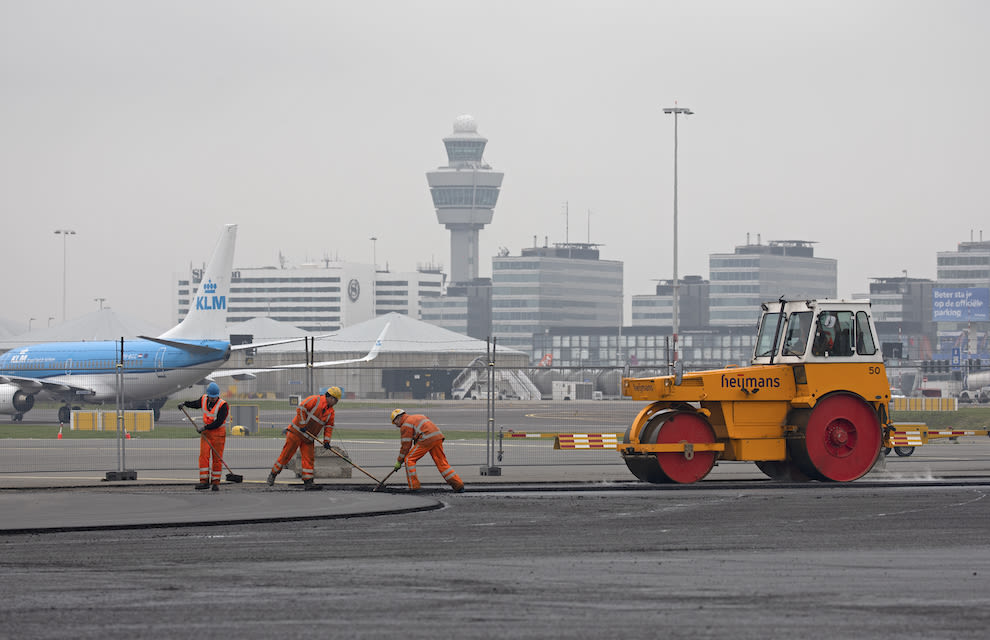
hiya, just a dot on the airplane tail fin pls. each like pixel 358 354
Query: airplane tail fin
pixel 207 316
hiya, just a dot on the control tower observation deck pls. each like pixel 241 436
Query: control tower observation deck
pixel 464 194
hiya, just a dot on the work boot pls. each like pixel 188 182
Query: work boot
pixel 202 485
pixel 215 487
pixel 309 486
pixel 271 479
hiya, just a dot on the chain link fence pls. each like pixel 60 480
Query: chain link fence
pixel 489 415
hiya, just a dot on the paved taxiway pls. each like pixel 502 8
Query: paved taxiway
pixel 900 554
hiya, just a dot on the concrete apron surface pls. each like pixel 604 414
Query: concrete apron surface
pixel 36 511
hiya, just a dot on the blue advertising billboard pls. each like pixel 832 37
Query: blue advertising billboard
pixel 961 305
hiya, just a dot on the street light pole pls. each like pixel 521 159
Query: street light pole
pixel 677 111
pixel 101 301
pixel 374 276
pixel 65 233
pixel 30 320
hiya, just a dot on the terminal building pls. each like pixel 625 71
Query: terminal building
pixel 318 298
pixel 902 313
pixel 754 273
pixel 966 272
pixel 657 310
pixel 564 285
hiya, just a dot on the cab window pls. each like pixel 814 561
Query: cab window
pixel 864 337
pixel 833 334
pixel 765 339
pixel 796 338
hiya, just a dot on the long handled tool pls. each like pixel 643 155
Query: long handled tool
pixel 382 483
pixel 231 476
pixel 342 457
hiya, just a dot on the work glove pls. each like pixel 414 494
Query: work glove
pixel 200 429
pixel 326 445
pixel 180 406
pixel 398 465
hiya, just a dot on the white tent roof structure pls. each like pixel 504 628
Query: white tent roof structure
pixel 105 324
pixel 405 335
pixel 266 329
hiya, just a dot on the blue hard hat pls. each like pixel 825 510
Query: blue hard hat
pixel 213 390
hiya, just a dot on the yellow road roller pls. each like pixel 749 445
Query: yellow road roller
pixel 812 405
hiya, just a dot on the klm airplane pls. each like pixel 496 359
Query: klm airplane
pixel 153 368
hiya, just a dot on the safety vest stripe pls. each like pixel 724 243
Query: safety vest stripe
pixel 427 436
pixel 418 429
pixel 310 415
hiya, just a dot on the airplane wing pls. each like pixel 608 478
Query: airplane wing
pixel 271 343
pixel 249 374
pixel 34 385
pixel 191 348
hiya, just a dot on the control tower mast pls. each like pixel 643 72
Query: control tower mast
pixel 464 194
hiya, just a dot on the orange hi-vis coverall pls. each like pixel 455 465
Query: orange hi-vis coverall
pixel 419 437
pixel 314 413
pixel 214 433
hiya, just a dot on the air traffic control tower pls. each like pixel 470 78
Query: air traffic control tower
pixel 464 194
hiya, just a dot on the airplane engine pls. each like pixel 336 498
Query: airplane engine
pixel 22 402
pixel 13 401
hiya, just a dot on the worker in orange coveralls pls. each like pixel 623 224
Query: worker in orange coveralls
pixel 314 413
pixel 213 432
pixel 419 437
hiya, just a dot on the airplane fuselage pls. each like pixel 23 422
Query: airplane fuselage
pixel 150 369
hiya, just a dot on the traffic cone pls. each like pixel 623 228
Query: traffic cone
pixel 59 432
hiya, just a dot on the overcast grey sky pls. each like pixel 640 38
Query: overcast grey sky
pixel 145 126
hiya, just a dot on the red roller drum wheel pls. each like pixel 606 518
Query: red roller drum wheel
pixel 841 439
pixel 673 428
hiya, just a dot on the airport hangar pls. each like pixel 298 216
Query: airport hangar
pixel 417 360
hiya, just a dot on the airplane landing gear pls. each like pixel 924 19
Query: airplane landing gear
pixel 64 413
pixel 18 417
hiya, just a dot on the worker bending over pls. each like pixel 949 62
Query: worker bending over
pixel 419 437
pixel 314 413
pixel 213 432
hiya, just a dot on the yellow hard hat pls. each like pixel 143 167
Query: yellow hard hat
pixel 334 391
pixel 396 414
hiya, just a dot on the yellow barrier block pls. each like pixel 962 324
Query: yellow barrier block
pixel 134 421
pixel 924 404
pixel 84 421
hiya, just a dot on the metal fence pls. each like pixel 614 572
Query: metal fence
pixel 489 424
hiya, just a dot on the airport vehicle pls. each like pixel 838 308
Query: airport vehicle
pixel 153 367
pixel 812 405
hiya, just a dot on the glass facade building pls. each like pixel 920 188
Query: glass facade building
pixel 658 310
pixel 754 273
pixel 565 285
pixel 645 347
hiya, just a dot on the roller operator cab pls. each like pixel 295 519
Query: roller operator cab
pixel 812 405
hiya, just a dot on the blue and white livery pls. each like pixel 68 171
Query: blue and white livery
pixel 153 368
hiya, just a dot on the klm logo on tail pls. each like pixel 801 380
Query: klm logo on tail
pixel 209 301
